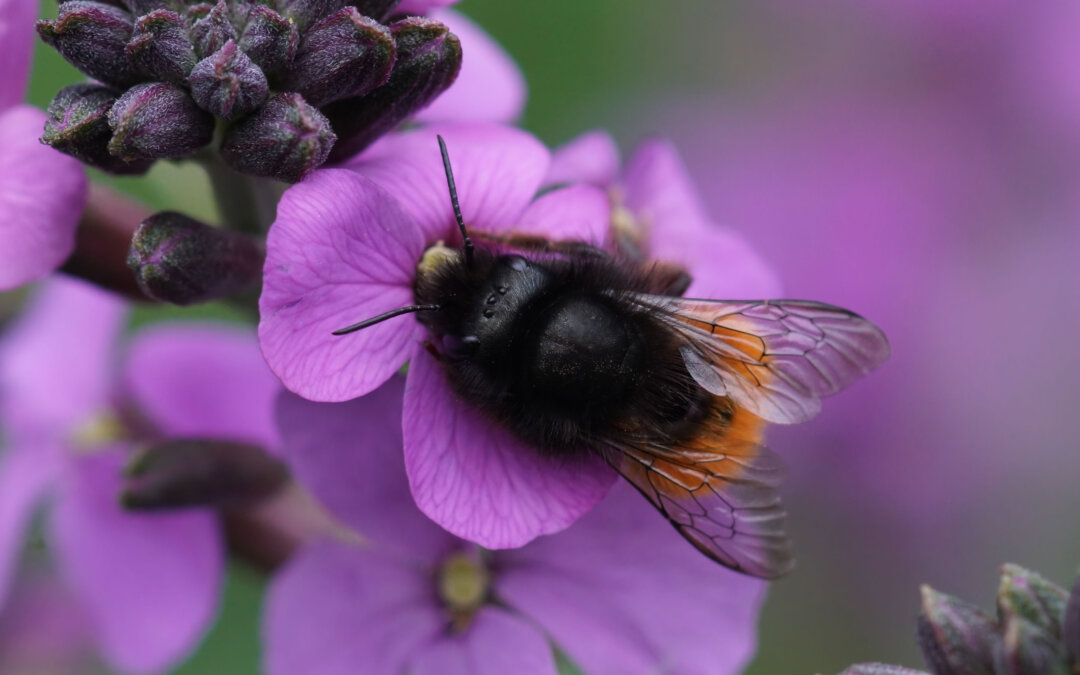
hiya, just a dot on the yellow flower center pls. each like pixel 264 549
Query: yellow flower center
pixel 101 430
pixel 463 587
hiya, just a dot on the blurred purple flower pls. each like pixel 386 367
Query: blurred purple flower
pixel 619 592
pixel 658 208
pixel 422 6
pixel 149 583
pixel 490 86
pixel 42 192
pixel 43 630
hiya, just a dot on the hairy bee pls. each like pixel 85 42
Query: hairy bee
pixel 579 351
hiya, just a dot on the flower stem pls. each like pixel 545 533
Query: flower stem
pixel 246 204
pixel 103 239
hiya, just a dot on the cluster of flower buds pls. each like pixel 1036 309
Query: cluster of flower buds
pixel 272 86
pixel 1036 631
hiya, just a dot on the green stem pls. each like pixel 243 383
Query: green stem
pixel 246 204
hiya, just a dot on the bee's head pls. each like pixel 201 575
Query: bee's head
pixel 482 304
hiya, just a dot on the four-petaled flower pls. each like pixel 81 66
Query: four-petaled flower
pixel 149 583
pixel 619 592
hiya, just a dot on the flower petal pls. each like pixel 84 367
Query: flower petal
pixel 207 381
pixel 349 456
pixel 42 194
pixel 592 158
pixel 340 251
pixel 659 189
pixel 25 476
pixel 490 86
pixel 578 212
pixel 622 592
pixel 150 582
pixel 497 170
pixel 335 610
pixel 422 6
pixel 478 481
pixel 16 46
pixel 56 361
pixel 495 642
pixel 722 263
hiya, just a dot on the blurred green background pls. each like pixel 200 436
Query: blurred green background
pixel 638 68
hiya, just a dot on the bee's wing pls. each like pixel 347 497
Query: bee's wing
pixel 776 358
pixel 720 490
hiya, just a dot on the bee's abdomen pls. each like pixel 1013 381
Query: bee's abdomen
pixel 582 357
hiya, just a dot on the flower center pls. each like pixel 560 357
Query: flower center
pixel 98 432
pixel 463 584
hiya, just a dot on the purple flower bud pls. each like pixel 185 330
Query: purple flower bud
pixel 160 46
pixel 346 54
pixel 77 124
pixel 269 39
pixel 1072 626
pixel 305 13
pixel 156 120
pixel 141 7
pixel 92 37
pixel 228 84
pixel 956 638
pixel 428 62
pixel 1028 595
pixel 210 27
pixel 880 669
pixel 286 139
pixel 1027 650
pixel 380 10
pixel 194 473
pixel 181 261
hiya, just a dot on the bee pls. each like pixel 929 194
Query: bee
pixel 577 351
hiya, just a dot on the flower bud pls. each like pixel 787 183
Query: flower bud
pixel 428 62
pixel 179 260
pixel 380 10
pixel 228 84
pixel 285 139
pixel 210 27
pixel 305 13
pixel 141 7
pixel 956 638
pixel 156 120
pixel 1028 595
pixel 880 669
pixel 160 46
pixel 77 124
pixel 1071 630
pixel 269 39
pixel 92 37
pixel 193 473
pixel 346 54
pixel 1028 649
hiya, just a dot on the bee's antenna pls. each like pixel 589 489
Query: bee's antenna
pixel 383 317
pixel 454 201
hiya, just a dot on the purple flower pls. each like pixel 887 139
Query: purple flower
pixel 148 583
pixel 343 248
pixel 658 209
pixel 490 86
pixel 619 592
pixel 42 192
pixel 43 629
pixel 422 6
